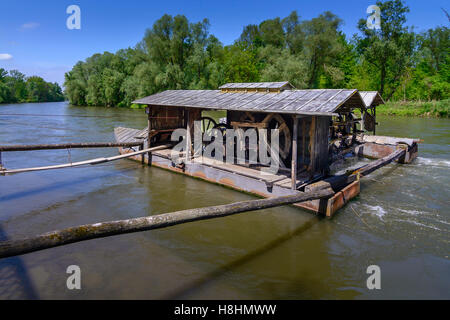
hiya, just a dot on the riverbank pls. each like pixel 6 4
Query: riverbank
pixel 437 109
pixel 263 253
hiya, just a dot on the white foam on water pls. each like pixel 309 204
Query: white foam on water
pixel 377 210
pixel 420 224
pixel 444 222
pixel 434 162
pixel 411 212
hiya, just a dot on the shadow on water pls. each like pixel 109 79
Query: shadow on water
pixel 15 282
pixel 197 285
pixel 58 186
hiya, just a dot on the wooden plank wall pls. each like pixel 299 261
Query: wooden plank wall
pixel 166 117
pixel 319 132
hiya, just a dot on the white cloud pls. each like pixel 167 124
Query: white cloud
pixel 5 56
pixel 29 25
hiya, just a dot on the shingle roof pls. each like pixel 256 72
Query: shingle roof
pixel 306 102
pixel 257 85
pixel 371 98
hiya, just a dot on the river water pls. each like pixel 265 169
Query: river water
pixel 400 222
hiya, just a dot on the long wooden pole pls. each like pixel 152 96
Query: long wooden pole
pixel 339 182
pixel 104 229
pixel 81 163
pixel 68 145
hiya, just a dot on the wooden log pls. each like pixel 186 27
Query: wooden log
pixel 104 229
pixel 68 145
pixel 81 163
pixel 369 168
pixel 341 181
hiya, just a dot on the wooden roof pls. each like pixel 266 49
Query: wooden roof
pixel 371 98
pixel 258 85
pixel 302 102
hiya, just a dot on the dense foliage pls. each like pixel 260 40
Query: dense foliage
pixel 178 54
pixel 15 87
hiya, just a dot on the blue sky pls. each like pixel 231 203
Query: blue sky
pixel 34 37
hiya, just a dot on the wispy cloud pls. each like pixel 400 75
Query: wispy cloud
pixel 5 56
pixel 29 26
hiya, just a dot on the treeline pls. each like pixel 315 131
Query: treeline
pixel 178 54
pixel 16 88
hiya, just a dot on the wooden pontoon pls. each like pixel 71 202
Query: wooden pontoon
pixel 317 128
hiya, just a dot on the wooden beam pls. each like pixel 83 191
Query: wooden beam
pixel 294 154
pixel 104 229
pixel 30 147
pixel 149 135
pixel 341 181
pixel 188 136
pixel 81 163
pixel 312 146
pixel 371 167
pixel 260 125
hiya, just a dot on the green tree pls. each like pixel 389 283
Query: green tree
pixel 390 49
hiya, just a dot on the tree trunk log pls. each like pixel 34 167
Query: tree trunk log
pixel 104 229
pixel 68 146
pixel 82 163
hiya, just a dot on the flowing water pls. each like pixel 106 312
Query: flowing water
pixel 400 222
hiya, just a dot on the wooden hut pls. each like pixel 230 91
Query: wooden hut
pixel 371 99
pixel 304 118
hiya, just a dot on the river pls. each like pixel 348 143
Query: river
pixel 400 222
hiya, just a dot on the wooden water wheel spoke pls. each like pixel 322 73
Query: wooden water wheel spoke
pixel 276 121
pixel 207 123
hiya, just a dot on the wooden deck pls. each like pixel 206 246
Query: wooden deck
pixel 241 178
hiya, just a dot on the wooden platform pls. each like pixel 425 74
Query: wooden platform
pixel 238 177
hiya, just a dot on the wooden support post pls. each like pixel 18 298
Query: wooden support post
pixel 188 135
pixel 140 148
pixel 294 154
pixel 312 146
pixel 374 119
pixel 303 141
pixel 149 137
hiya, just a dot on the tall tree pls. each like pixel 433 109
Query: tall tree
pixel 321 45
pixel 389 49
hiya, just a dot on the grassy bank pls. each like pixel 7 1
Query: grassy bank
pixel 439 109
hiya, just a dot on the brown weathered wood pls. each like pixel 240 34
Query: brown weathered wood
pixel 294 154
pixel 371 167
pixel 104 229
pixel 189 127
pixel 312 154
pixel 149 136
pixel 339 182
pixel 260 125
pixel 68 145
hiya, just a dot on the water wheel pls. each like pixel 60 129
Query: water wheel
pixel 369 121
pixel 207 124
pixel 222 127
pixel 276 121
